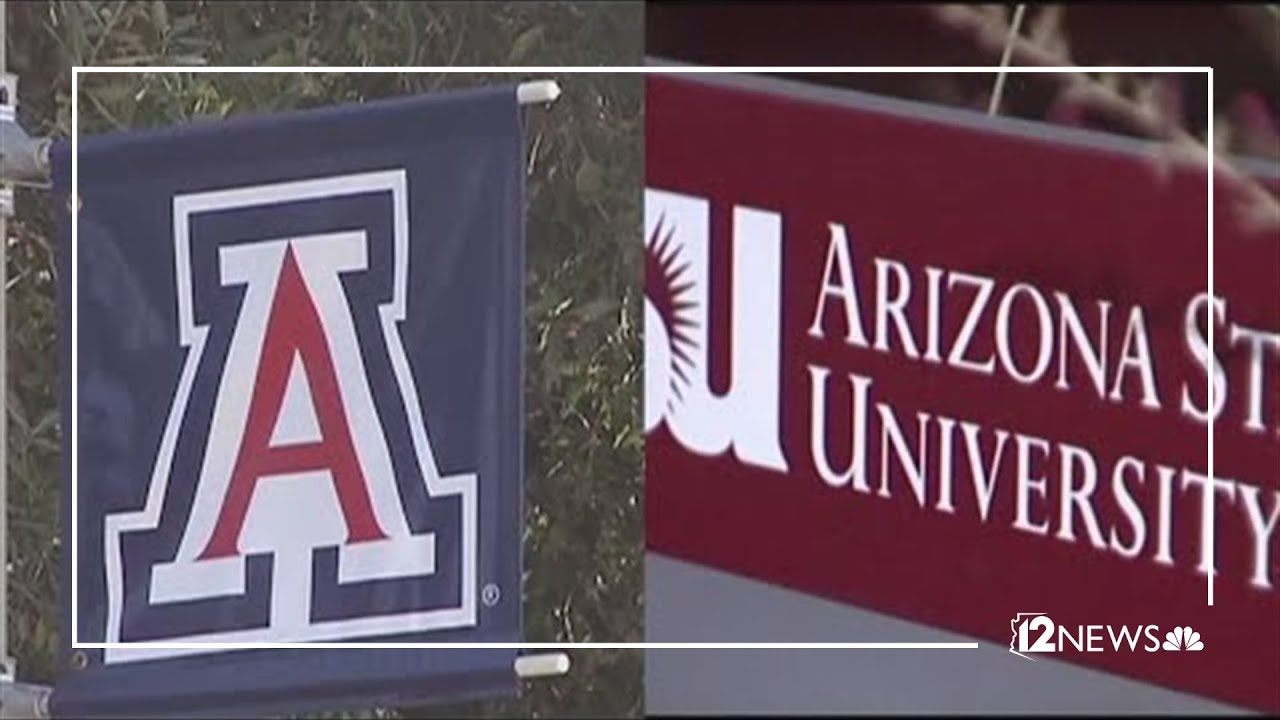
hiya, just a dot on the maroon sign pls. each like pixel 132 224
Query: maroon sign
pixel 958 372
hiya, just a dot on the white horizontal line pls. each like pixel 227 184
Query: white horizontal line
pixel 641 69
pixel 529 646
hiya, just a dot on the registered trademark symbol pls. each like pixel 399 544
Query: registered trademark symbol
pixel 491 594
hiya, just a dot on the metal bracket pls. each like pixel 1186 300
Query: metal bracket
pixel 20 700
pixel 24 160
pixel 8 116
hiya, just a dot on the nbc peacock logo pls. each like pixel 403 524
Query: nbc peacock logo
pixel 1183 638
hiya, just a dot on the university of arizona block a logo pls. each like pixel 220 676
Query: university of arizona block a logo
pixel 292 385
pixel 295 479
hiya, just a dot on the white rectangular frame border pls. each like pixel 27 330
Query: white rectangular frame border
pixel 1207 508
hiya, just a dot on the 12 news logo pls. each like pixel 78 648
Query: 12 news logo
pixel 1037 633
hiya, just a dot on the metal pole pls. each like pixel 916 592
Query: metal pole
pixel 22 161
pixel 7 670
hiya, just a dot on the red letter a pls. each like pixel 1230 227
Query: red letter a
pixel 294 328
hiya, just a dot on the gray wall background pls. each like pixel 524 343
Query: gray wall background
pixel 692 603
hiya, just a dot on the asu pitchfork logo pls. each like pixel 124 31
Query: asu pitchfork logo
pixel 295 510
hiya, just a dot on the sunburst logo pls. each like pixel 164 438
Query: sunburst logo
pixel 743 418
pixel 671 293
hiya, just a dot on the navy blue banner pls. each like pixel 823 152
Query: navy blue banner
pixel 298 404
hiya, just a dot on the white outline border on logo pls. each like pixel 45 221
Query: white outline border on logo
pixel 1207 511
pixel 192 337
